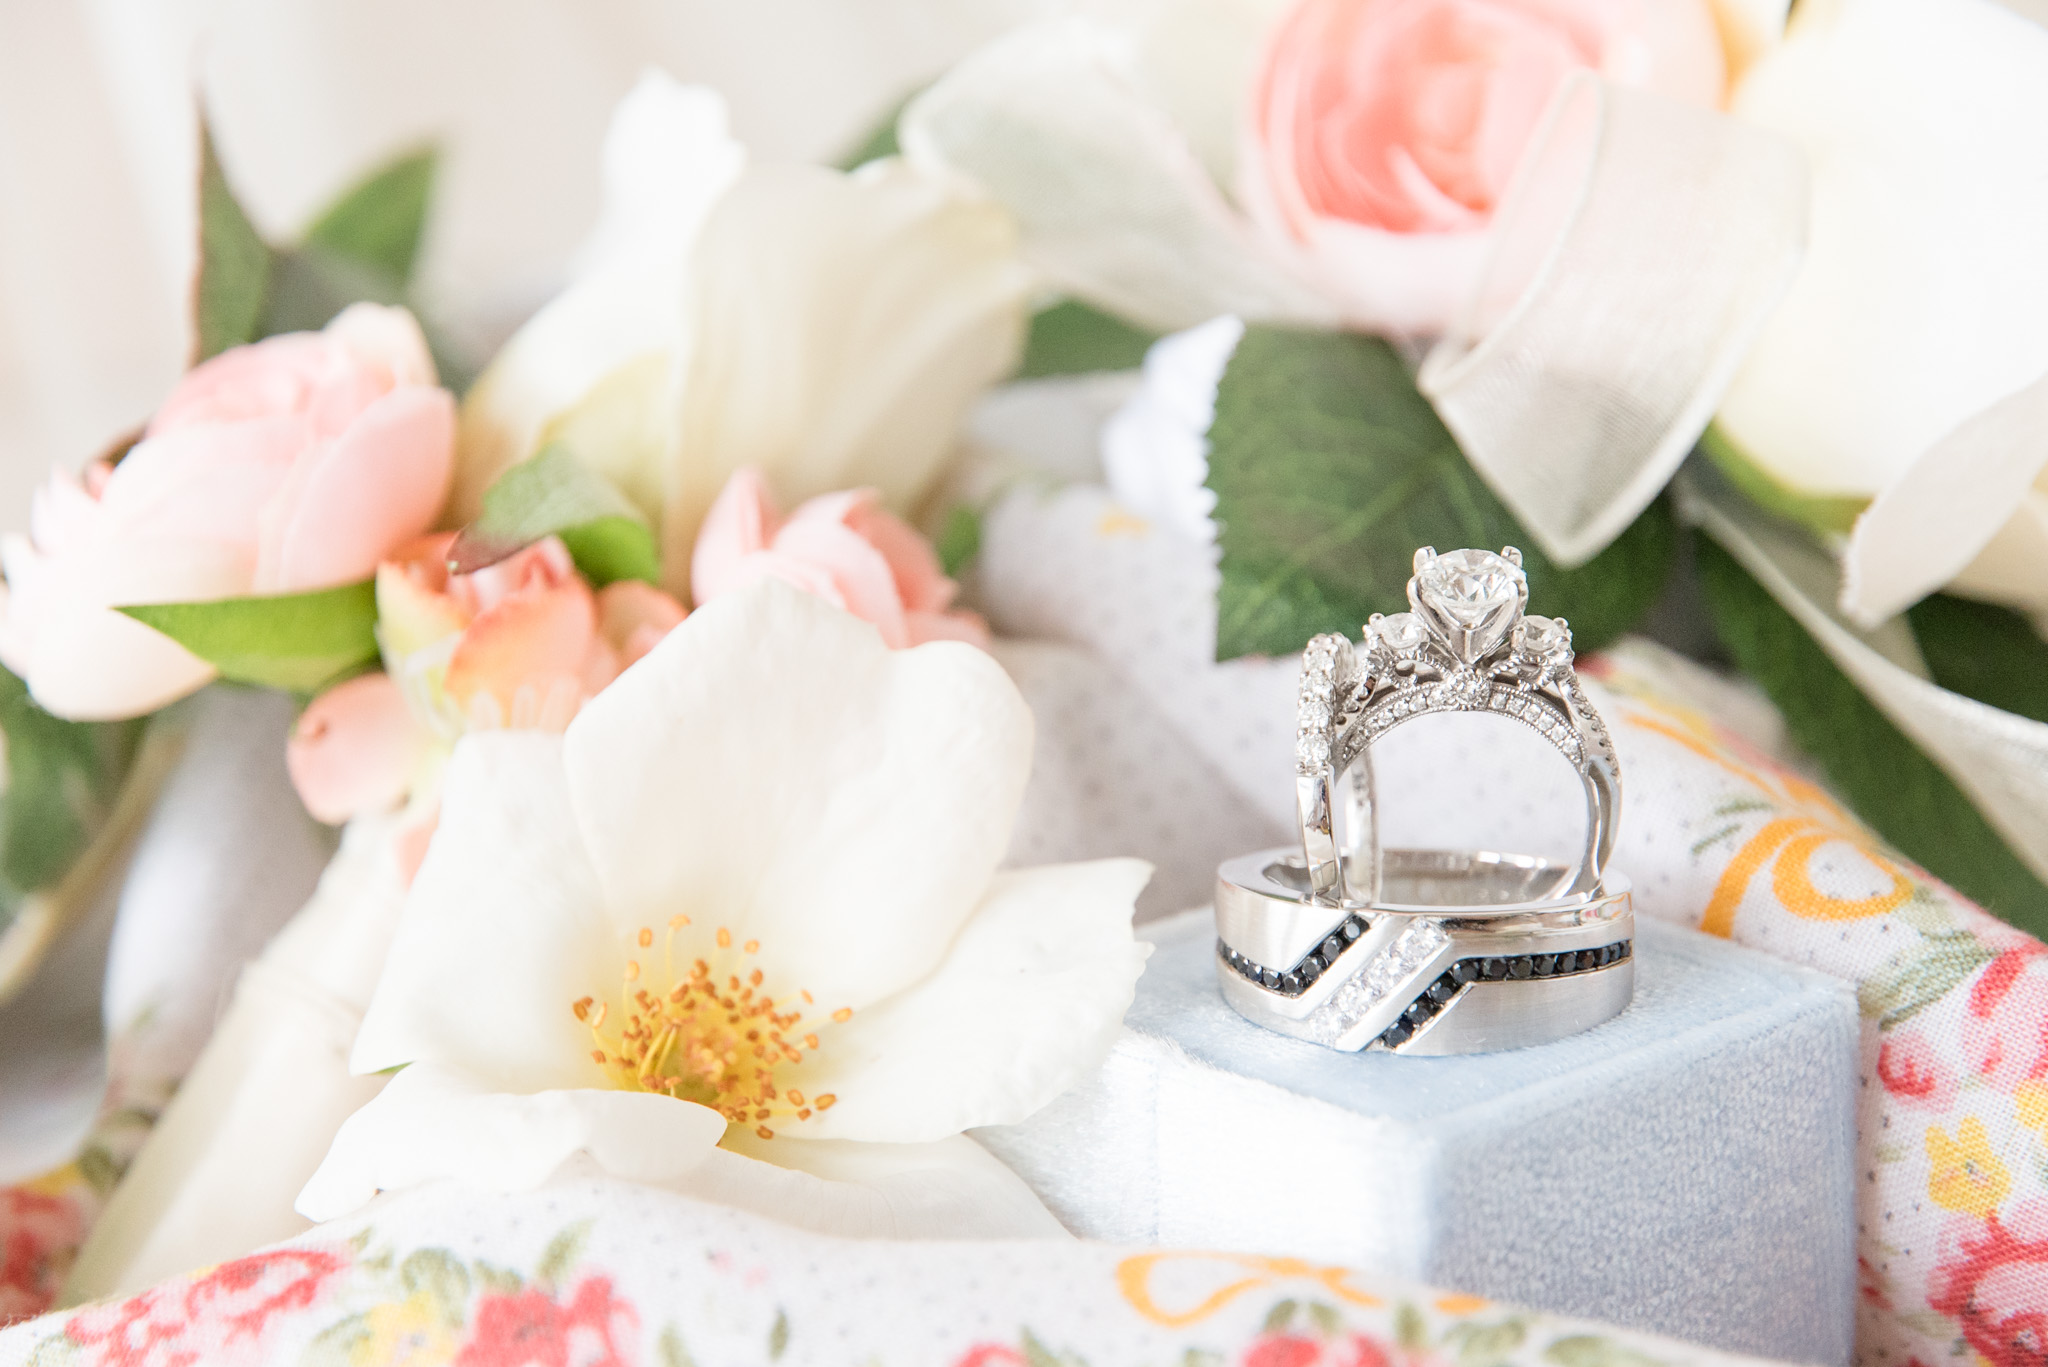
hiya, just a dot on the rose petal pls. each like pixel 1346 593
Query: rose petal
pixel 861 579
pixel 503 930
pixel 351 503
pixel 355 749
pixel 774 768
pixel 921 581
pixel 530 638
pixel 1027 1001
pixel 431 1123
pixel 633 617
pixel 387 338
pixel 742 521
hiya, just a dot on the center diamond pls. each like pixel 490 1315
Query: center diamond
pixel 1470 597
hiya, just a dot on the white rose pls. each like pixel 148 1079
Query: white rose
pixel 831 329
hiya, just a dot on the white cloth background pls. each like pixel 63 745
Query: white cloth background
pixel 98 152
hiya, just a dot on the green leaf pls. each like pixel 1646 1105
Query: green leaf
pixel 234 263
pixel 673 1353
pixel 1822 512
pixel 379 221
pixel 1918 977
pixel 959 540
pixel 562 1253
pixel 1073 338
pixel 442 1277
pixel 1327 1319
pixel 1984 652
pixel 1479 1345
pixel 294 641
pixel 1411 1330
pixel 1899 791
pixel 1591 1350
pixel 63 779
pixel 778 1336
pixel 308 287
pixel 555 494
pixel 1330 468
pixel 1280 1318
pixel 880 140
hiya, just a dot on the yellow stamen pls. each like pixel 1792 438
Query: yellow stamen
pixel 682 1036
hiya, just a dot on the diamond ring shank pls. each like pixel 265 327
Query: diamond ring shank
pixel 1470 958
pixel 1467 646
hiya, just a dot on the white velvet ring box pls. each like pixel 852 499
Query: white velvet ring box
pixel 1688 1167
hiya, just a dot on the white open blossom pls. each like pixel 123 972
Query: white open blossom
pixel 828 328
pixel 751 897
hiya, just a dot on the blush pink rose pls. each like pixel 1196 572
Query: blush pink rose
pixel 295 463
pixel 523 643
pixel 1383 133
pixel 844 547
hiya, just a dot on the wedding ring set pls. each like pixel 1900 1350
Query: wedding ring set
pixel 1352 946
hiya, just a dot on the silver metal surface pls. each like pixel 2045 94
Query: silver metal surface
pixel 1447 912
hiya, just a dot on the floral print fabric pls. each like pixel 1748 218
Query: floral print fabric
pixel 596 1273
pixel 1953 1126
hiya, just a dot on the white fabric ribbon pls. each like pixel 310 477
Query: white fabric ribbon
pixel 1999 760
pixel 1638 252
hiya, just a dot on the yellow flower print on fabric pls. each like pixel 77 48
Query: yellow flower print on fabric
pixel 1965 1174
pixel 2030 1103
pixel 414 1332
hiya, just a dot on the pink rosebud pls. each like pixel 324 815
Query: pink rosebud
pixel 355 749
pixel 1384 132
pixel 844 547
pixel 523 643
pixel 295 463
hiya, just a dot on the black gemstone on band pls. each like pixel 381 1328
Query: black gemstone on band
pixel 1437 997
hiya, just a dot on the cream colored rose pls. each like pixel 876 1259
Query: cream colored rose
pixel 829 329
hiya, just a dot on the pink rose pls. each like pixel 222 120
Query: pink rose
pixel 1383 133
pixel 295 463
pixel 1992 1279
pixel 523 643
pixel 844 547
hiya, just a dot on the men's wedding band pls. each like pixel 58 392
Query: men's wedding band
pixel 1467 956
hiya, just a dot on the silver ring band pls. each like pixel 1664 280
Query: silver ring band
pixel 1466 955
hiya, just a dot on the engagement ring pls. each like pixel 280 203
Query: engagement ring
pixel 1428 951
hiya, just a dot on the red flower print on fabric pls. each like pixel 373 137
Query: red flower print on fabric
pixel 1911 1070
pixel 221 1316
pixel 531 1329
pixel 1993 1280
pixel 1299 1350
pixel 38 1236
